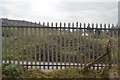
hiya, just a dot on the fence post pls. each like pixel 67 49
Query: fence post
pixel 0 49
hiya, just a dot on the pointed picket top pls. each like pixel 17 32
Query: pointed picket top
pixel 47 24
pixel 51 24
pixel 112 26
pixel 44 24
pixel 64 24
pixel 88 25
pixel 77 24
pixel 96 25
pixel 60 24
pixel 56 24
pixel 80 25
pixel 26 24
pixel 36 24
pixel 73 25
pixel 104 25
pixel 39 24
pixel 100 25
pixel 92 25
pixel 108 25
pixel 84 25
pixel 117 26
pixel 68 24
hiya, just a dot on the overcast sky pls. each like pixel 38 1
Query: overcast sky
pixel 94 11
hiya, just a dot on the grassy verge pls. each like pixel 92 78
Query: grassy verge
pixel 16 71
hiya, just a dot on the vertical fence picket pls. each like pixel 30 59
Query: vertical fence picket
pixel 89 57
pixel 39 43
pixel 5 55
pixel 3 44
pixel 85 45
pixel 9 53
pixel 12 42
pixel 115 46
pixel 60 46
pixel 35 59
pixel 81 61
pixel 73 44
pixel 52 46
pixel 101 44
pixel 48 42
pixel 97 44
pixel 93 43
pixel 65 56
pixel 114 49
pixel 26 46
pixel 69 44
pixel 47 45
pixel 109 35
pixel 117 39
pixel 6 51
pixel 56 46
pixel 22 44
pixel 18 45
pixel 77 54
pixel 113 36
pixel 7 46
pixel 44 56
pixel 2 30
pixel 2 56
pixel 31 46
pixel 104 37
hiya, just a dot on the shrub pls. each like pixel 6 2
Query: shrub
pixel 12 70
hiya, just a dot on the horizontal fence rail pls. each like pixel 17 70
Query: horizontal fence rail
pixel 58 46
pixel 63 27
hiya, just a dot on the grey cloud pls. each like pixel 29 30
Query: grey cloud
pixel 15 9
pixel 102 12
pixel 98 12
pixel 76 6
